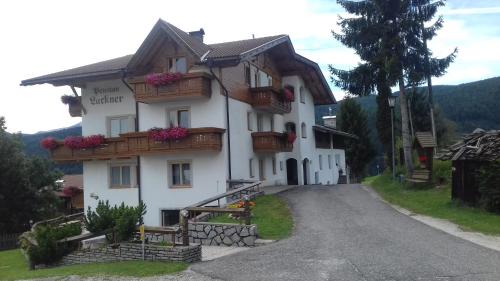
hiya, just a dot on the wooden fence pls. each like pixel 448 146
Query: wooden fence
pixel 9 241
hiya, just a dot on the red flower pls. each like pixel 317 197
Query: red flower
pixel 177 133
pixel 48 143
pixel 73 142
pixel 288 95
pixel 160 79
pixel 163 135
pixel 78 142
pixel 290 137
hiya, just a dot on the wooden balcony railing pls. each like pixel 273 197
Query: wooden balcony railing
pixel 191 86
pixel 270 142
pixel 139 143
pixel 270 100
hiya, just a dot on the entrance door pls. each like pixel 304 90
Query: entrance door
pixel 292 175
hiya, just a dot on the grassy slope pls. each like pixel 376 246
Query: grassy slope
pixel 13 266
pixel 435 202
pixel 271 215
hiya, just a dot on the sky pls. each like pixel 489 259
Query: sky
pixel 41 37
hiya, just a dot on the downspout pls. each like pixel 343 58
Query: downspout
pixel 138 167
pixel 226 92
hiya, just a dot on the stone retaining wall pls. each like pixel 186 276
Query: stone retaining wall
pixel 222 234
pixel 133 251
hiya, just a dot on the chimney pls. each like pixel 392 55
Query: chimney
pixel 330 121
pixel 198 34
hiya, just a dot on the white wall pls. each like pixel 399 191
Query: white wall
pixel 94 98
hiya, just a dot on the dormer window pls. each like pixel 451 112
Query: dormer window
pixel 177 64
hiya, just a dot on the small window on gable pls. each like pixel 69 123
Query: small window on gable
pixel 269 80
pixel 178 118
pixel 250 167
pixel 302 95
pixel 303 130
pixel 177 64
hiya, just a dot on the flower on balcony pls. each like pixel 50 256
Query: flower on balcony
pixel 70 100
pixel 290 137
pixel 48 143
pixel 71 191
pixel 77 142
pixel 288 95
pixel 173 133
pixel 161 79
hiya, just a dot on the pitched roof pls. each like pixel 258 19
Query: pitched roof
pixel 327 129
pixel 237 48
pixel 425 139
pixel 480 145
pixel 103 68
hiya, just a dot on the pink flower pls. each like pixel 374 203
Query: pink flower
pixel 49 143
pixel 160 79
pixel 288 95
pixel 73 142
pixel 163 135
pixel 290 137
pixel 78 142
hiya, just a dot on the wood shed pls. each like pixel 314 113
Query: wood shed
pixel 467 157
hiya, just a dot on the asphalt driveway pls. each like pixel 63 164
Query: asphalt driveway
pixel 343 233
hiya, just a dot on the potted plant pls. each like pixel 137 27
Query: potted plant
pixel 74 103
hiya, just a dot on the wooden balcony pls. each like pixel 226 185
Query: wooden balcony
pixel 191 86
pixel 269 100
pixel 139 143
pixel 270 142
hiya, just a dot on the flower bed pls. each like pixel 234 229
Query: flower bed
pixel 288 95
pixel 162 79
pixel 173 133
pixel 290 137
pixel 74 142
pixel 49 143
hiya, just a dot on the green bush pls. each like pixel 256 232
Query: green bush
pixel 442 170
pixel 489 187
pixel 48 250
pixel 121 219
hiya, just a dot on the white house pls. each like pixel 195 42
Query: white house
pixel 231 98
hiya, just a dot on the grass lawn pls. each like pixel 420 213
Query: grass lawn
pixel 13 266
pixel 270 214
pixel 435 202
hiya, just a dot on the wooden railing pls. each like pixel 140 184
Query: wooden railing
pixel 190 86
pixel 133 144
pixel 270 100
pixel 270 142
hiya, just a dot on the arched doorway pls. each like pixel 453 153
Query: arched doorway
pixel 305 170
pixel 292 175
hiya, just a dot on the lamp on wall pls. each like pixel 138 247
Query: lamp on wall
pixel 94 196
pixel 392 102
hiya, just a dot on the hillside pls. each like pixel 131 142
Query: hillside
pixel 470 105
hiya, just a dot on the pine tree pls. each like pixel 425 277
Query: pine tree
pixel 388 35
pixel 360 152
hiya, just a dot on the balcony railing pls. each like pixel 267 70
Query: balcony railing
pixel 270 142
pixel 139 143
pixel 190 86
pixel 270 100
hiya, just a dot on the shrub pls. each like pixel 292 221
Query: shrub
pixel 122 219
pixel 48 250
pixel 442 170
pixel 489 186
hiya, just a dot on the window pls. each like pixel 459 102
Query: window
pixel 247 75
pixel 329 162
pixel 262 169
pixel 269 80
pixel 302 95
pixel 179 117
pixel 169 217
pixel 320 162
pixel 272 123
pixel 250 167
pixel 120 176
pixel 260 123
pixel 249 121
pixel 177 65
pixel 274 166
pixel 120 125
pixel 303 130
pixel 290 127
pixel 281 165
pixel 180 174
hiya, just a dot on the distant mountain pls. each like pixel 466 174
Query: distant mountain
pixel 32 145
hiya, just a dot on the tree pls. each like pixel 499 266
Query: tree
pixel 26 185
pixel 390 39
pixel 360 152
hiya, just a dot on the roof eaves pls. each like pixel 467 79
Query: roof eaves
pixel 321 76
pixel 54 80
pixel 265 46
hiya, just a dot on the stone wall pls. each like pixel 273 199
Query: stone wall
pixel 133 251
pixel 222 234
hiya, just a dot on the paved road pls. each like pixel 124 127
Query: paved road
pixel 344 233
